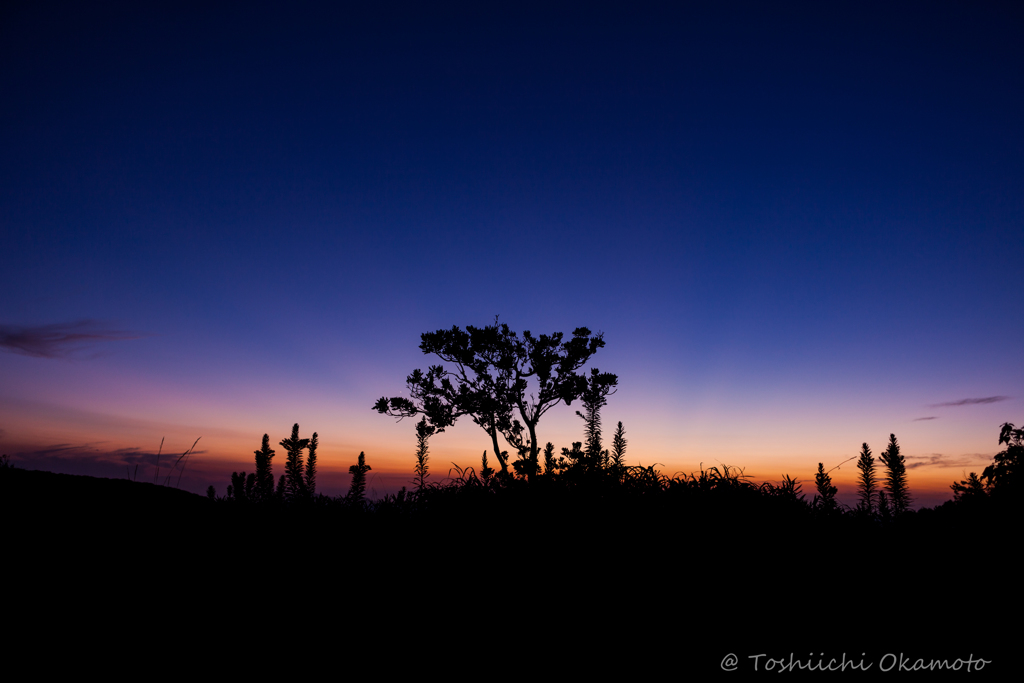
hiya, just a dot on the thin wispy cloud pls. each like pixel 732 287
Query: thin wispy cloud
pixel 98 459
pixel 970 402
pixel 58 340
pixel 930 417
pixel 940 460
pixel 95 451
pixel 81 452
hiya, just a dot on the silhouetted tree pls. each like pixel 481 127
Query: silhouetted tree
pixel 573 458
pixel 264 471
pixel 311 466
pixel 357 493
pixel 211 493
pixel 549 458
pixel 1004 475
pixel 242 488
pixel 489 380
pixel 618 460
pixel 525 466
pixel 1000 480
pixel 969 489
pixel 423 432
pixel 867 482
pixel 295 484
pixel 443 397
pixel 594 397
pixel 826 498
pixel 884 509
pixel 895 476
pixel 486 472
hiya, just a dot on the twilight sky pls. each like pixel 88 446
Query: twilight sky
pixel 799 227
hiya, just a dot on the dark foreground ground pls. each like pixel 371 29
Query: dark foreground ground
pixel 584 585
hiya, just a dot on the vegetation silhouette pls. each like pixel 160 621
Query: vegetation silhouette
pixel 1000 482
pixel 594 397
pixel 577 523
pixel 867 482
pixel 264 471
pixel 357 492
pixel 895 477
pixel 1003 476
pixel 549 459
pixel 295 487
pixel 618 456
pixel 884 507
pixel 825 500
pixel 488 383
pixel 486 472
pixel 488 376
pixel 310 481
pixel 423 432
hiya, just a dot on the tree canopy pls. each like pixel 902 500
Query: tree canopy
pixel 1004 474
pixel 489 374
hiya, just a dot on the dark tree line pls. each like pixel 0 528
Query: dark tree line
pixel 505 383
pixel 1000 481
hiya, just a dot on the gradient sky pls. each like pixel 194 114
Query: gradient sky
pixel 798 226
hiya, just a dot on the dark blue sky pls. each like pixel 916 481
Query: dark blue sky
pixel 767 209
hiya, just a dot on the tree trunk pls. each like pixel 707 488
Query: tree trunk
pixel 534 451
pixel 502 460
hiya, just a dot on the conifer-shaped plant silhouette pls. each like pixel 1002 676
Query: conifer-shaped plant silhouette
pixel 242 488
pixel 264 471
pixel 895 477
pixel 423 432
pixel 294 483
pixel 357 493
pixel 599 386
pixel 969 489
pixel 618 459
pixel 486 472
pixel 311 467
pixel 234 485
pixel 884 509
pixel 549 459
pixel 867 481
pixel 826 498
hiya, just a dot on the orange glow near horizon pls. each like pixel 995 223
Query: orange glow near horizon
pixel 63 439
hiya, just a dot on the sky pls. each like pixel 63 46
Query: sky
pixel 797 225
